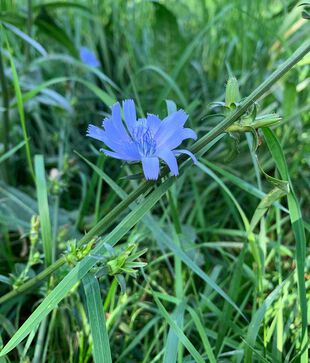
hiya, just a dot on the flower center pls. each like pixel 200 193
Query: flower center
pixel 143 138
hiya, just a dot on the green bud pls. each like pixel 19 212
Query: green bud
pixel 76 254
pixel 266 120
pixel 34 229
pixel 232 96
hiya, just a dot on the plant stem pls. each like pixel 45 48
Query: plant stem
pixel 29 28
pixel 5 96
pixel 35 280
pixel 198 148
pixel 179 291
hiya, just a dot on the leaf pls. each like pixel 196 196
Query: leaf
pixel 43 209
pixel 101 346
pixel 20 106
pixel 168 80
pixel 138 338
pixel 103 96
pixel 11 152
pixel 48 26
pixel 26 38
pixel 242 184
pixel 179 333
pixel 201 330
pixel 172 342
pixel 299 233
pixel 257 320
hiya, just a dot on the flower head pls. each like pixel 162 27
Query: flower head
pixel 88 57
pixel 145 139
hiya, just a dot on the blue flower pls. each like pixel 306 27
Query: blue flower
pixel 145 139
pixel 88 57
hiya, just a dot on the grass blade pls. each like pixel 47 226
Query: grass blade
pixel 45 221
pixel 11 152
pixel 257 319
pixel 179 333
pixel 27 38
pixel 299 233
pixel 172 343
pixel 20 105
pixel 203 335
pixel 101 345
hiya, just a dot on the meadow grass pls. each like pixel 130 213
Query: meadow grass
pixel 99 265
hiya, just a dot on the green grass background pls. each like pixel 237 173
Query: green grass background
pixel 227 277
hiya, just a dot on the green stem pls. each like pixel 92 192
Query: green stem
pixel 35 280
pixel 179 291
pixel 20 105
pixel 5 97
pixel 198 148
pixel 29 28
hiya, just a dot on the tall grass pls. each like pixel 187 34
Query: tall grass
pixel 227 274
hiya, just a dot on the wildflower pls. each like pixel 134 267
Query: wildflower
pixel 146 139
pixel 88 57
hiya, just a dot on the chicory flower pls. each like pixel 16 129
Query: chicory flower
pixel 145 140
pixel 88 57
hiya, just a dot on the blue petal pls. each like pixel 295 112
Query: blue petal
pixel 116 155
pixel 170 160
pixel 150 168
pixel 113 143
pixel 153 122
pixel 115 128
pixel 171 127
pixel 176 138
pixel 118 123
pixel 95 132
pixel 188 133
pixel 132 151
pixel 130 114
pixel 183 151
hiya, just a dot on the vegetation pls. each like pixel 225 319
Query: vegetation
pixel 100 265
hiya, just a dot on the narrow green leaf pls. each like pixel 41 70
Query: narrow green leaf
pixel 20 105
pixel 102 95
pixel 101 345
pixel 299 233
pixel 241 183
pixel 179 333
pixel 172 343
pixel 138 338
pixel 234 291
pixel 274 195
pixel 228 192
pixel 26 38
pixel 43 209
pixel 203 335
pixel 170 81
pixel 11 152
pixel 257 321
